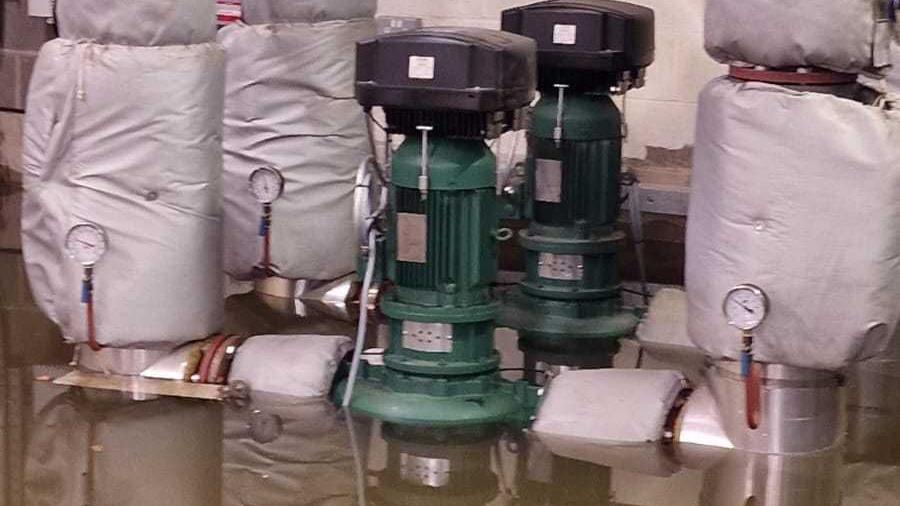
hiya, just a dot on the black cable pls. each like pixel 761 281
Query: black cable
pixel 636 292
pixel 371 117
pixel 55 18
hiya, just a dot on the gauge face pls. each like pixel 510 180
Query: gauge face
pixel 266 184
pixel 86 243
pixel 746 306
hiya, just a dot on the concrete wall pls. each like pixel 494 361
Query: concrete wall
pixel 662 113
pixel 20 38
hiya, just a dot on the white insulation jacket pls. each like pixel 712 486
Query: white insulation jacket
pixel 798 193
pixel 841 35
pixel 127 138
pixel 290 105
pixel 138 22
pixel 632 404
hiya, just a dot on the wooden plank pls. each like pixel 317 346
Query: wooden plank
pixel 138 385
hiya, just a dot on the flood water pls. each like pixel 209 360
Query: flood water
pixel 62 446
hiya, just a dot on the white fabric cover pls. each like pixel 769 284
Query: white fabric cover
pixel 128 138
pixel 138 22
pixel 290 105
pixel 260 12
pixel 608 405
pixel 798 193
pixel 842 35
pixel 290 365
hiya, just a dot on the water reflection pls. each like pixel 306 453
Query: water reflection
pixel 79 447
pixel 278 452
pixel 61 446
pixel 100 448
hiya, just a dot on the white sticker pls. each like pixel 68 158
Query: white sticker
pixel 564 34
pixel 421 67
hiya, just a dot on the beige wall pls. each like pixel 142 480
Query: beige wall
pixel 662 113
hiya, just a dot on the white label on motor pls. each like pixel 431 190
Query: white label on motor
pixel 548 181
pixel 421 67
pixel 412 238
pixel 564 34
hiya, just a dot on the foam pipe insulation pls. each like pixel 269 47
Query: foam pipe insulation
pixel 126 135
pixel 290 365
pixel 801 33
pixel 290 105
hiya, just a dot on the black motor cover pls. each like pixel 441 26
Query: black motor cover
pixel 590 35
pixel 447 69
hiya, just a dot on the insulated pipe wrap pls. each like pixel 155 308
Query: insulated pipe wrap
pixel 138 22
pixel 290 105
pixel 798 193
pixel 127 138
pixel 845 36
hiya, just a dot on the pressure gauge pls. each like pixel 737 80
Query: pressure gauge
pixel 267 184
pixel 746 306
pixel 86 243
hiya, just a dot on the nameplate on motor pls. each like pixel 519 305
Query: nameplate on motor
pixel 412 238
pixel 548 181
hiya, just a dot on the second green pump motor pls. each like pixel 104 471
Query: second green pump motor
pixel 568 310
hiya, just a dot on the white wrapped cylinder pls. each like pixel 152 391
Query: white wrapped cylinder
pixel 612 406
pixel 798 193
pixel 260 12
pixel 290 365
pixel 127 138
pixel 844 36
pixel 290 105
pixel 138 22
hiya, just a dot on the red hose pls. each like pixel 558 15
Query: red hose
pixel 206 361
pixel 91 330
pixel 267 250
pixel 265 230
pixel 752 393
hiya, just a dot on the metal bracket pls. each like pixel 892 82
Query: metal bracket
pixel 560 113
pixel 429 471
pixel 428 337
pixel 423 175
pixel 561 267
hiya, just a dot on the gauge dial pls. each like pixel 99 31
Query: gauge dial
pixel 746 306
pixel 86 243
pixel 267 184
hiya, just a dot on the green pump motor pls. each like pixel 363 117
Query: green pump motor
pixel 446 91
pixel 568 310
